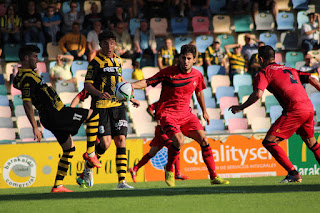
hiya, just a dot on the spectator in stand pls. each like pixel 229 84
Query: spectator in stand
pixel 108 8
pixel 311 67
pixel 74 43
pixel 119 16
pixel 199 59
pixel 51 23
pixel 238 63
pixel 32 25
pixel 73 16
pixel 154 8
pixel 93 40
pixel 123 39
pixel 144 39
pixel 11 25
pixel 199 8
pixel 168 55
pixel 250 46
pixel 264 6
pixel 254 66
pixel 137 73
pixel 91 18
pixel 61 71
pixel 137 8
pixel 310 33
pixel 214 55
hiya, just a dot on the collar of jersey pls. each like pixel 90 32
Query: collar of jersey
pixel 104 57
pixel 25 70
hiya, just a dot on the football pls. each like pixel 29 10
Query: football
pixel 123 91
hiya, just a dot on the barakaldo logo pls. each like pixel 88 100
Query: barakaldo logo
pixel 20 171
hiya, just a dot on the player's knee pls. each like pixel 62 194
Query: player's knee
pixel 100 150
pixel 267 143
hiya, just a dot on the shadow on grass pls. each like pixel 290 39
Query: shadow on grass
pixel 166 192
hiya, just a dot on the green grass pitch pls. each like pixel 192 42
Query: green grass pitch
pixel 263 194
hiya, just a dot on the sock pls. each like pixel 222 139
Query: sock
pixel 278 154
pixel 91 131
pixel 63 166
pixel 142 162
pixel 121 163
pixel 209 160
pixel 167 142
pixel 316 151
pixel 173 154
pixel 177 166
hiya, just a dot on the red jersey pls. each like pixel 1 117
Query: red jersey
pixel 152 107
pixel 285 84
pixel 83 95
pixel 177 89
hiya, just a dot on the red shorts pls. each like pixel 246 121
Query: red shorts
pixel 172 125
pixel 160 139
pixel 300 122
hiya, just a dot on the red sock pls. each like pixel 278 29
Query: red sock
pixel 142 162
pixel 209 160
pixel 316 151
pixel 173 155
pixel 278 154
pixel 177 166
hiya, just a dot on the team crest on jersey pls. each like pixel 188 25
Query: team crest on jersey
pixel 90 67
pixel 121 123
pixel 194 84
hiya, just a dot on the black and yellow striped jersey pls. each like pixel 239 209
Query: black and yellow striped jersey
pixel 168 56
pixel 104 73
pixel 237 62
pixel 34 89
pixel 214 56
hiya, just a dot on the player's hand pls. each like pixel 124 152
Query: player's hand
pixel 235 109
pixel 136 103
pixel 37 134
pixel 206 117
pixel 105 95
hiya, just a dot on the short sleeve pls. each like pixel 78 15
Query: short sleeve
pixel 260 81
pixel 83 95
pixel 91 73
pixel 200 85
pixel 156 79
pixel 229 54
pixel 304 77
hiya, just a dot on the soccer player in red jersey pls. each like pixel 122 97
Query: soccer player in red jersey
pixel 173 111
pixel 297 116
pixel 160 140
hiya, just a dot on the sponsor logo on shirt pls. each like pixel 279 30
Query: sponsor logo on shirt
pixel 111 69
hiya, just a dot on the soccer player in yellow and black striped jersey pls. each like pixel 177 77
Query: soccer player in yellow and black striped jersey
pixel 167 55
pixel 214 54
pixel 104 72
pixel 62 121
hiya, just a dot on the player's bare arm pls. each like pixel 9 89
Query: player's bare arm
pixel 93 91
pixel 314 82
pixel 200 98
pixel 75 101
pixel 256 95
pixel 140 84
pixel 27 105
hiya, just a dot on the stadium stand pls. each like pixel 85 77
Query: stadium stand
pixel 45 77
pixel 127 74
pixel 289 40
pixel 215 70
pixel 318 112
pixel 127 63
pixel 270 101
pixel 224 92
pixel 218 81
pixel 5 112
pixel 228 115
pixel 17 100
pixel 53 51
pixel 264 21
pixel 139 94
pixel 7 135
pixel 149 71
pixel 4 101
pixel 153 94
pixel 66 7
pixel 180 41
pixel 2 81
pixel 3 90
pixel 278 58
pixel 62 86
pixel 11 52
pixel 240 80
pixel 244 90
pixel 87 6
pixel 237 124
pixel 241 36
pixel 200 68
pixel 243 23
pixel 159 26
pixel 6 122
pixel 217 6
pixel 202 42
pixel 226 39
pixel 293 57
pixel 269 39
pixel 221 24
pixel 302 17
pixel 226 102
pixel 26 134
pixel 260 124
pixel 275 113
pixel 300 4
pixel 23 122
pixel 200 25
pixel 315 99
pixel 215 126
pixel 179 25
pixel 19 111
pixel 254 112
pixel 67 97
pixel 285 21
pixel 78 65
pixel 134 23
pixel 283 5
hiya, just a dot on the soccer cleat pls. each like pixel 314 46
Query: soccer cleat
pixel 169 177
pixel 60 189
pixel 124 185
pixel 94 160
pixel 133 175
pixel 181 177
pixel 292 178
pixel 219 180
pixel 85 180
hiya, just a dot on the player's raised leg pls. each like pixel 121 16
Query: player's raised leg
pixel 178 175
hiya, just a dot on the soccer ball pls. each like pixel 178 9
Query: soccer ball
pixel 123 91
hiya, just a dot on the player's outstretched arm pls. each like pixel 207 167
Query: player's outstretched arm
pixel 27 105
pixel 139 84
pixel 256 95
pixel 136 103
pixel 93 91
pixel 314 82
pixel 75 102
pixel 200 98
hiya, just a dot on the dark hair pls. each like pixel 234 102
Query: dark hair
pixel 75 23
pixel 51 7
pixel 136 64
pixel 189 48
pixel 105 35
pixel 27 50
pixel 14 9
pixel 266 52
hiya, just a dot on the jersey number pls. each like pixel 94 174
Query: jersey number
pixel 292 80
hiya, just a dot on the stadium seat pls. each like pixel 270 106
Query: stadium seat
pixel 243 23
pixel 42 67
pixel 14 91
pixel 264 95
pixel 180 41
pixel 139 94
pixel 66 7
pixel 292 58
pixel 86 104
pixel 127 74
pixel 87 6
pixel 7 135
pixel 26 134
pixel 269 39
pixel 47 135
pixel 80 76
pixel 315 99
pixel 299 64
pixel 318 112
pixel 215 126
pixel 228 115
pixel 264 21
pixel 5 112
pixel 214 113
pixel 52 64
pixel 78 65
pixel 11 52
pixel 200 69
pixel 283 5
pixel 19 111
pixel 179 25
pixel 237 124
pixel 200 25
pixel 45 77
pixel 240 80
pixel 134 23
pixel 244 90
pixel 149 71
pixel 23 122
pixel 159 26
pixel 302 17
pixel 127 63
pixel 67 97
pixel 226 102
pixel 80 86
pixel 53 51
pixel 4 101
pixel 275 113
pixel 260 124
pixel 3 89
pixel 17 100
pixel 147 62
pixel 215 70
pixel 154 94
pixel 278 57
pixel 270 101
pixel 224 92
pixel 62 86
pixel 202 42
pixel 254 105
pixel 218 81
pixel 210 102
pixel 6 122
pixel 226 39
pixel 2 81
pixel 285 21
pixel 221 24
pixel 300 4
pixel 81 134
pixel 255 112
pixel 217 6
pixel 289 40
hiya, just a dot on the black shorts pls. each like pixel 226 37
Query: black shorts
pixel 113 121
pixel 65 122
